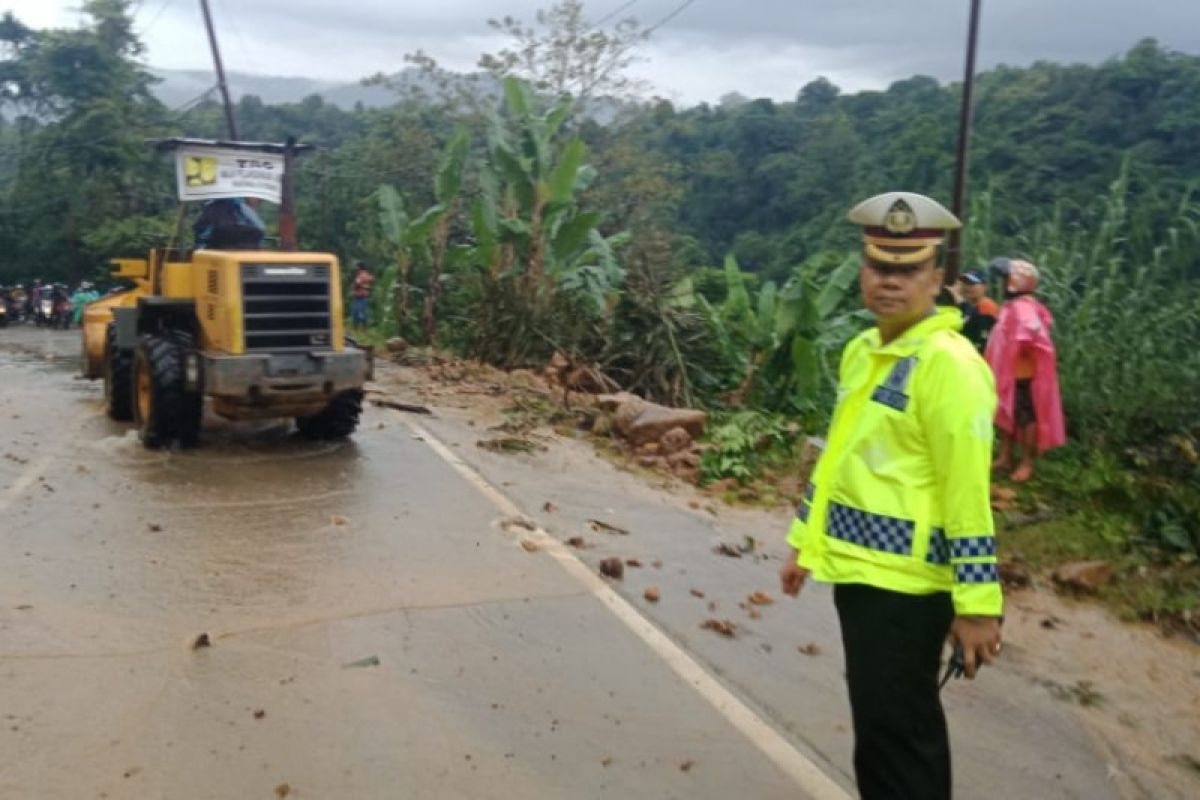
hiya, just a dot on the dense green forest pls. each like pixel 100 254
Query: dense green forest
pixel 696 254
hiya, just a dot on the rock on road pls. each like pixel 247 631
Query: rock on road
pixel 374 631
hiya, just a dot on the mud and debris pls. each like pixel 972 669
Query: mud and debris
pixel 363 663
pixel 612 568
pixel 397 405
pixel 600 526
pixel 518 523
pixel 722 626
pixel 510 444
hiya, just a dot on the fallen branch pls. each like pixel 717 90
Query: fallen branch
pixel 411 408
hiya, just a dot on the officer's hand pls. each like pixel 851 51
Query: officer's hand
pixel 979 638
pixel 792 576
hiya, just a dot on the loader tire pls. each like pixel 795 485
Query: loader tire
pixel 337 420
pixel 118 377
pixel 166 411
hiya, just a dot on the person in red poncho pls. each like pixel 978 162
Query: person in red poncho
pixel 1025 364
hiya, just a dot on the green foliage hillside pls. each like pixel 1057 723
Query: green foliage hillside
pixel 771 180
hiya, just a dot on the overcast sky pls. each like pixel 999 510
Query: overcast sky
pixel 760 48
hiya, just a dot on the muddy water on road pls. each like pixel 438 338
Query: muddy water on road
pixel 373 633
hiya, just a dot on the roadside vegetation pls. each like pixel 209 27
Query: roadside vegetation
pixel 697 256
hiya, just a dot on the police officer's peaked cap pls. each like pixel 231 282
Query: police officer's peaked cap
pixel 902 227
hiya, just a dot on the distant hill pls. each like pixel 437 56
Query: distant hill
pixel 180 86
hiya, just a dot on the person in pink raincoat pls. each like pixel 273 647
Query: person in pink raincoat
pixel 1024 361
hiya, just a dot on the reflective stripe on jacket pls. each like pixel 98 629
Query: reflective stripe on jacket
pixel 900 499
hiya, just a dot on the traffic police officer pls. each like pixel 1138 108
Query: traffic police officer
pixel 897 514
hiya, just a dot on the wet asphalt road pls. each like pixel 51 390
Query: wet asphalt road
pixel 377 632
pixel 497 674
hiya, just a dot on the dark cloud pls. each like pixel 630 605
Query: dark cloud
pixel 927 36
pixel 916 31
pixel 774 45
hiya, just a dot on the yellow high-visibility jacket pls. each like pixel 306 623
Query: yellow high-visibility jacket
pixel 900 498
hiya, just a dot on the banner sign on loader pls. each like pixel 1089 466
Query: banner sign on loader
pixel 209 173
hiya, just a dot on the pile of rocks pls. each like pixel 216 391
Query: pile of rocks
pixel 660 437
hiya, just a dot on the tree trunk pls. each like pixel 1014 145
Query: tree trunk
pixel 428 319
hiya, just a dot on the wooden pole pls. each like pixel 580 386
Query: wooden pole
pixel 287 209
pixel 954 252
pixel 324 198
pixel 220 69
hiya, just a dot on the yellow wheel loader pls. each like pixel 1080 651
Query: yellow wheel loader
pixel 258 333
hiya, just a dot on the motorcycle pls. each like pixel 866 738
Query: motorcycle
pixel 61 318
pixel 3 314
pixel 14 316
pixel 43 311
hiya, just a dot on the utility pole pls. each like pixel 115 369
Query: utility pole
pixel 287 209
pixel 221 84
pixel 954 252
pixel 324 197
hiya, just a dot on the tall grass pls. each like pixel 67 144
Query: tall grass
pixel 1123 281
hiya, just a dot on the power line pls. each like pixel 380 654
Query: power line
pixel 618 10
pixel 237 33
pixel 176 112
pixel 643 36
pixel 161 8
pixel 678 10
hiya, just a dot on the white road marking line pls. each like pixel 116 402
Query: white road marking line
pixel 27 478
pixel 807 775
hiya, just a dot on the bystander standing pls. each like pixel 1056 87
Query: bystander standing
pixel 1024 360
pixel 979 310
pixel 360 295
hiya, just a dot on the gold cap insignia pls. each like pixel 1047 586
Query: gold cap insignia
pixel 900 218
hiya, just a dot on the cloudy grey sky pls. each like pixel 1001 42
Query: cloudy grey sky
pixel 756 47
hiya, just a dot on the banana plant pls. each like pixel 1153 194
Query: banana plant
pixel 526 217
pixel 447 187
pixel 424 239
pixel 397 229
pixel 809 329
pixel 780 340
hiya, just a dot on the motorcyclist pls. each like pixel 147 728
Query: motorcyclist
pixel 35 297
pixel 60 305
pixel 83 295
pixel 16 306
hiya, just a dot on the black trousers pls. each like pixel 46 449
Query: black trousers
pixel 893 646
